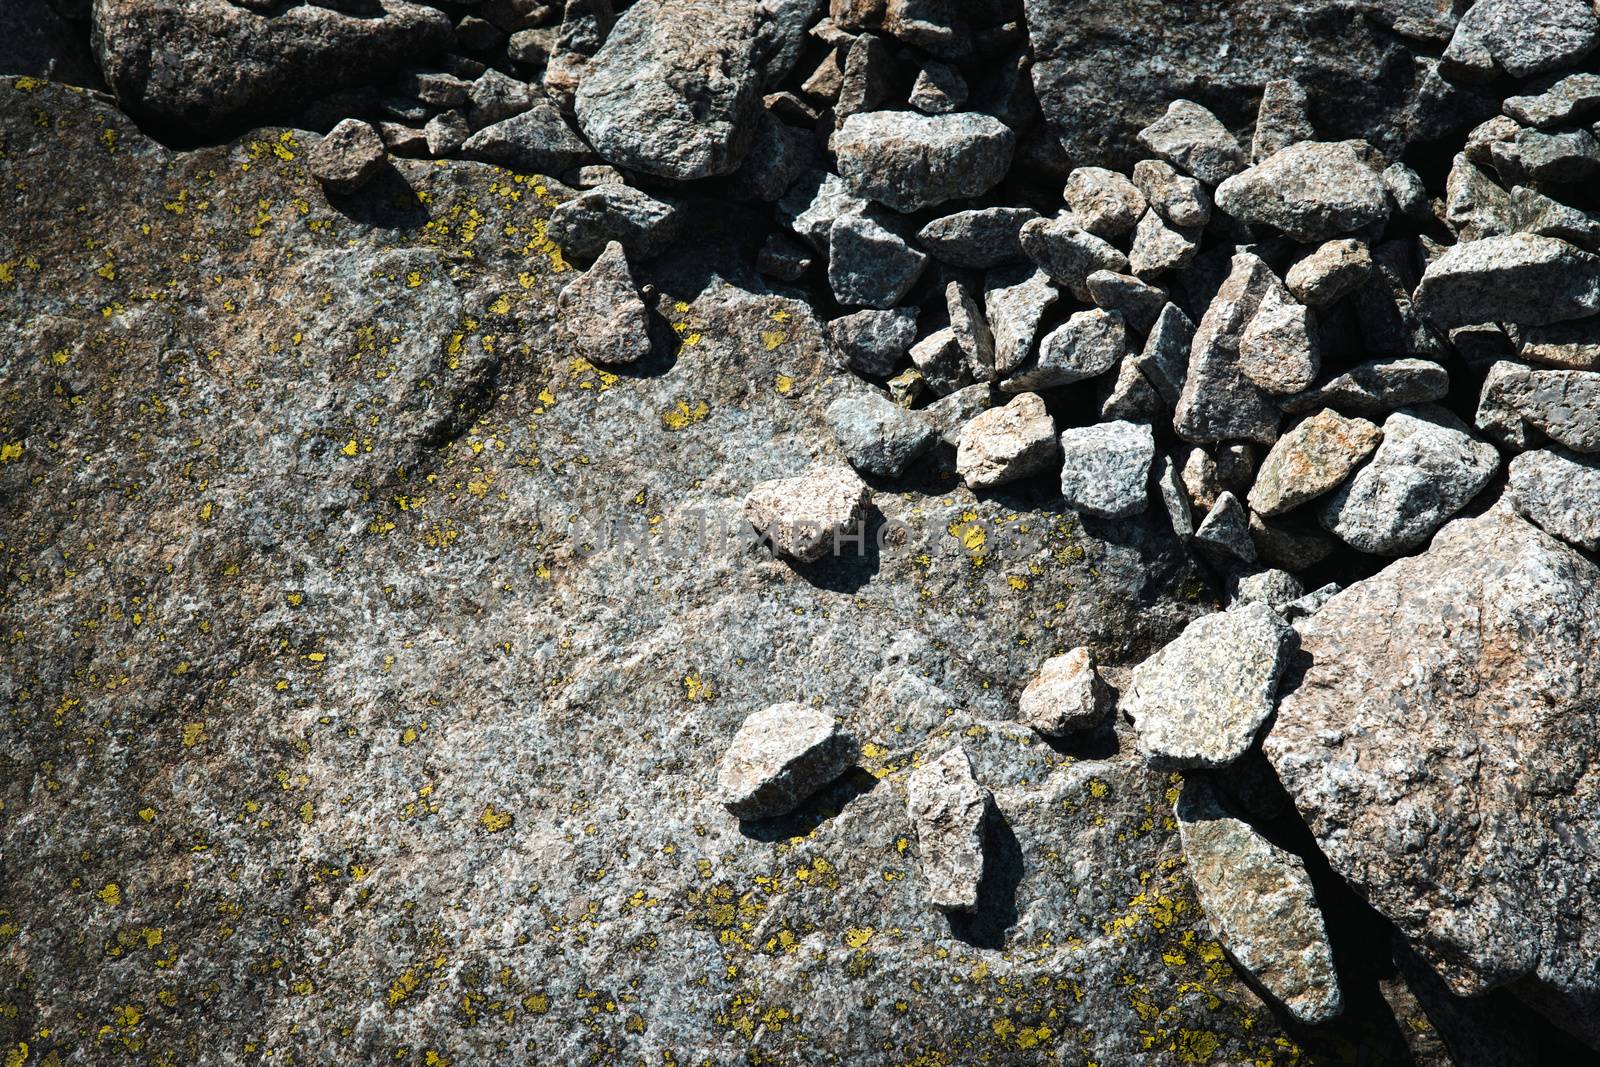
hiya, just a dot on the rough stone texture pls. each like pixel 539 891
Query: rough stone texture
pixel 643 224
pixel 1066 696
pixel 1219 403
pixel 209 63
pixel 1331 273
pixel 1260 903
pixel 676 88
pixel 1374 389
pixel 1517 278
pixel 537 140
pixel 495 725
pixel 1281 349
pixel 1311 191
pixel 980 237
pixel 1087 345
pixel 1560 492
pixel 1181 200
pixel 1200 700
pixel 908 161
pixel 1439 740
pixel 1562 404
pixel 1160 246
pixel 971 331
pixel 1069 254
pixel 1428 467
pixel 603 311
pixel 350 156
pixel 1104 202
pixel 1569 345
pixel 1165 359
pixel 1193 140
pixel 1522 37
pixel 808 516
pixel 869 265
pixel 941 362
pixel 873 342
pixel 1572 97
pixel 948 808
pixel 878 436
pixel 1277 589
pixel 1007 443
pixel 1138 301
pixel 814 203
pixel 779 757
pixel 1310 460
pixel 1107 468
pixel 1225 530
pixel 1282 120
pixel 1015 300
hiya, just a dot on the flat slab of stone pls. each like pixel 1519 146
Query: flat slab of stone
pixel 1517 277
pixel 1311 191
pixel 807 517
pixel 948 808
pixel 1310 460
pixel 908 161
pixel 779 757
pixel 1560 492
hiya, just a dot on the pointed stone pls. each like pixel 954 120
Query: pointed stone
pixel 1067 695
pixel 603 311
pixel 779 757
pixel 948 808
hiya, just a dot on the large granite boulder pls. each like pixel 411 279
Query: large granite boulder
pixel 1442 741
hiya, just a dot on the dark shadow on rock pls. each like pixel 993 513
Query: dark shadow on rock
pixel 388 201
pixel 821 806
pixel 1098 743
pixel 986 925
pixel 663 355
pixel 856 564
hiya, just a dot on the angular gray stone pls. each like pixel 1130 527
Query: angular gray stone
pixel 645 225
pixel 1103 202
pixel 1066 696
pixel 908 161
pixel 1068 253
pixel 1129 396
pixel 971 331
pixel 1522 37
pixel 1107 468
pixel 1281 349
pixel 1407 193
pixel 1546 156
pixel 1564 405
pixel 1086 346
pixel 807 517
pixel 1183 201
pixel 350 156
pixel 537 141
pixel 778 155
pixel 873 342
pixel 1005 444
pixel 1375 388
pixel 1496 415
pixel 1218 402
pixel 1260 903
pixel 1273 587
pixel 1438 745
pixel 1331 273
pixel 782 258
pixel 1015 299
pixel 1160 246
pixel 603 311
pixel 1283 119
pixel 1569 345
pixel 941 362
pixel 675 90
pixel 1174 500
pixel 1570 98
pixel 878 436
pixel 1138 301
pixel 1165 359
pixel 1310 460
pixel 980 237
pixel 583 29
pixel 939 89
pixel 1428 467
pixel 446 132
pixel 867 79
pixel 948 809
pixel 779 757
pixel 1226 530
pixel 494 97
pixel 1311 191
pixel 1200 700
pixel 870 265
pixel 1560 492
pixel 1310 604
pixel 814 203
pixel 1193 140
pixel 1516 278
pixel 950 414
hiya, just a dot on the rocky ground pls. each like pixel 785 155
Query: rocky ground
pixel 698 532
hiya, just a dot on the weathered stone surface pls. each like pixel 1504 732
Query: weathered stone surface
pixel 446 132
pixel 1522 37
pixel 948 807
pixel 1107 468
pixel 1546 156
pixel 1560 492
pixel 1517 278
pixel 209 63
pixel 939 89
pixel 941 362
pixel 1193 140
pixel 1200 700
pixel 494 97
pixel 808 517
pixel 1569 345
pixel 814 203
pixel 604 313
pixel 980 237
pixel 1165 359
pixel 1572 97
pixel 1408 193
pixel 1104 202
pixel 1562 404
pixel 676 88
pixel 350 156
pixel 1004 444
pixel 869 265
pixel 872 342
pixel 1282 120
pixel 1428 467
pixel 778 155
pixel 1331 273
pixel 1280 350
pixel 1087 345
pixel 908 161
pixel 1015 300
pixel 878 436
pixel 537 140
pixel 1218 402
pixel 1310 460
pixel 1138 301
pixel 867 79
pixel 643 224
pixel 1438 741
pixel 1311 191
pixel 1067 695
pixel 1160 246
pixel 1260 903
pixel 1226 530
pixel 1068 253
pixel 779 757
pixel 1376 388
pixel 971 331
pixel 1277 589
pixel 1181 200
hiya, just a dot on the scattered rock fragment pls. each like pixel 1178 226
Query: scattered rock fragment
pixel 1136 300
pixel 1193 140
pixel 643 224
pixel 1331 273
pixel 1226 530
pixel 1087 345
pixel 1200 700
pixel 980 237
pixel 941 361
pixel 1572 97
pixel 1180 200
pixel 349 157
pixel 1310 460
pixel 1219 403
pixel 907 161
pixel 1311 191
pixel 877 436
pixel 1376 388
pixel 1276 588
pixel 971 331
pixel 1069 254
pixel 869 265
pixel 1521 278
pixel 1103 202
pixel 1160 246
pixel 1283 119
pixel 948 808
pixel 1067 695
pixel 537 140
pixel 809 516
pixel 873 342
pixel 1107 468
pixel 1564 405
pixel 1560 492
pixel 1521 37
pixel 1260 903
pixel 1280 350
pixel 1015 299
pixel 1007 443
pixel 779 757
pixel 604 313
